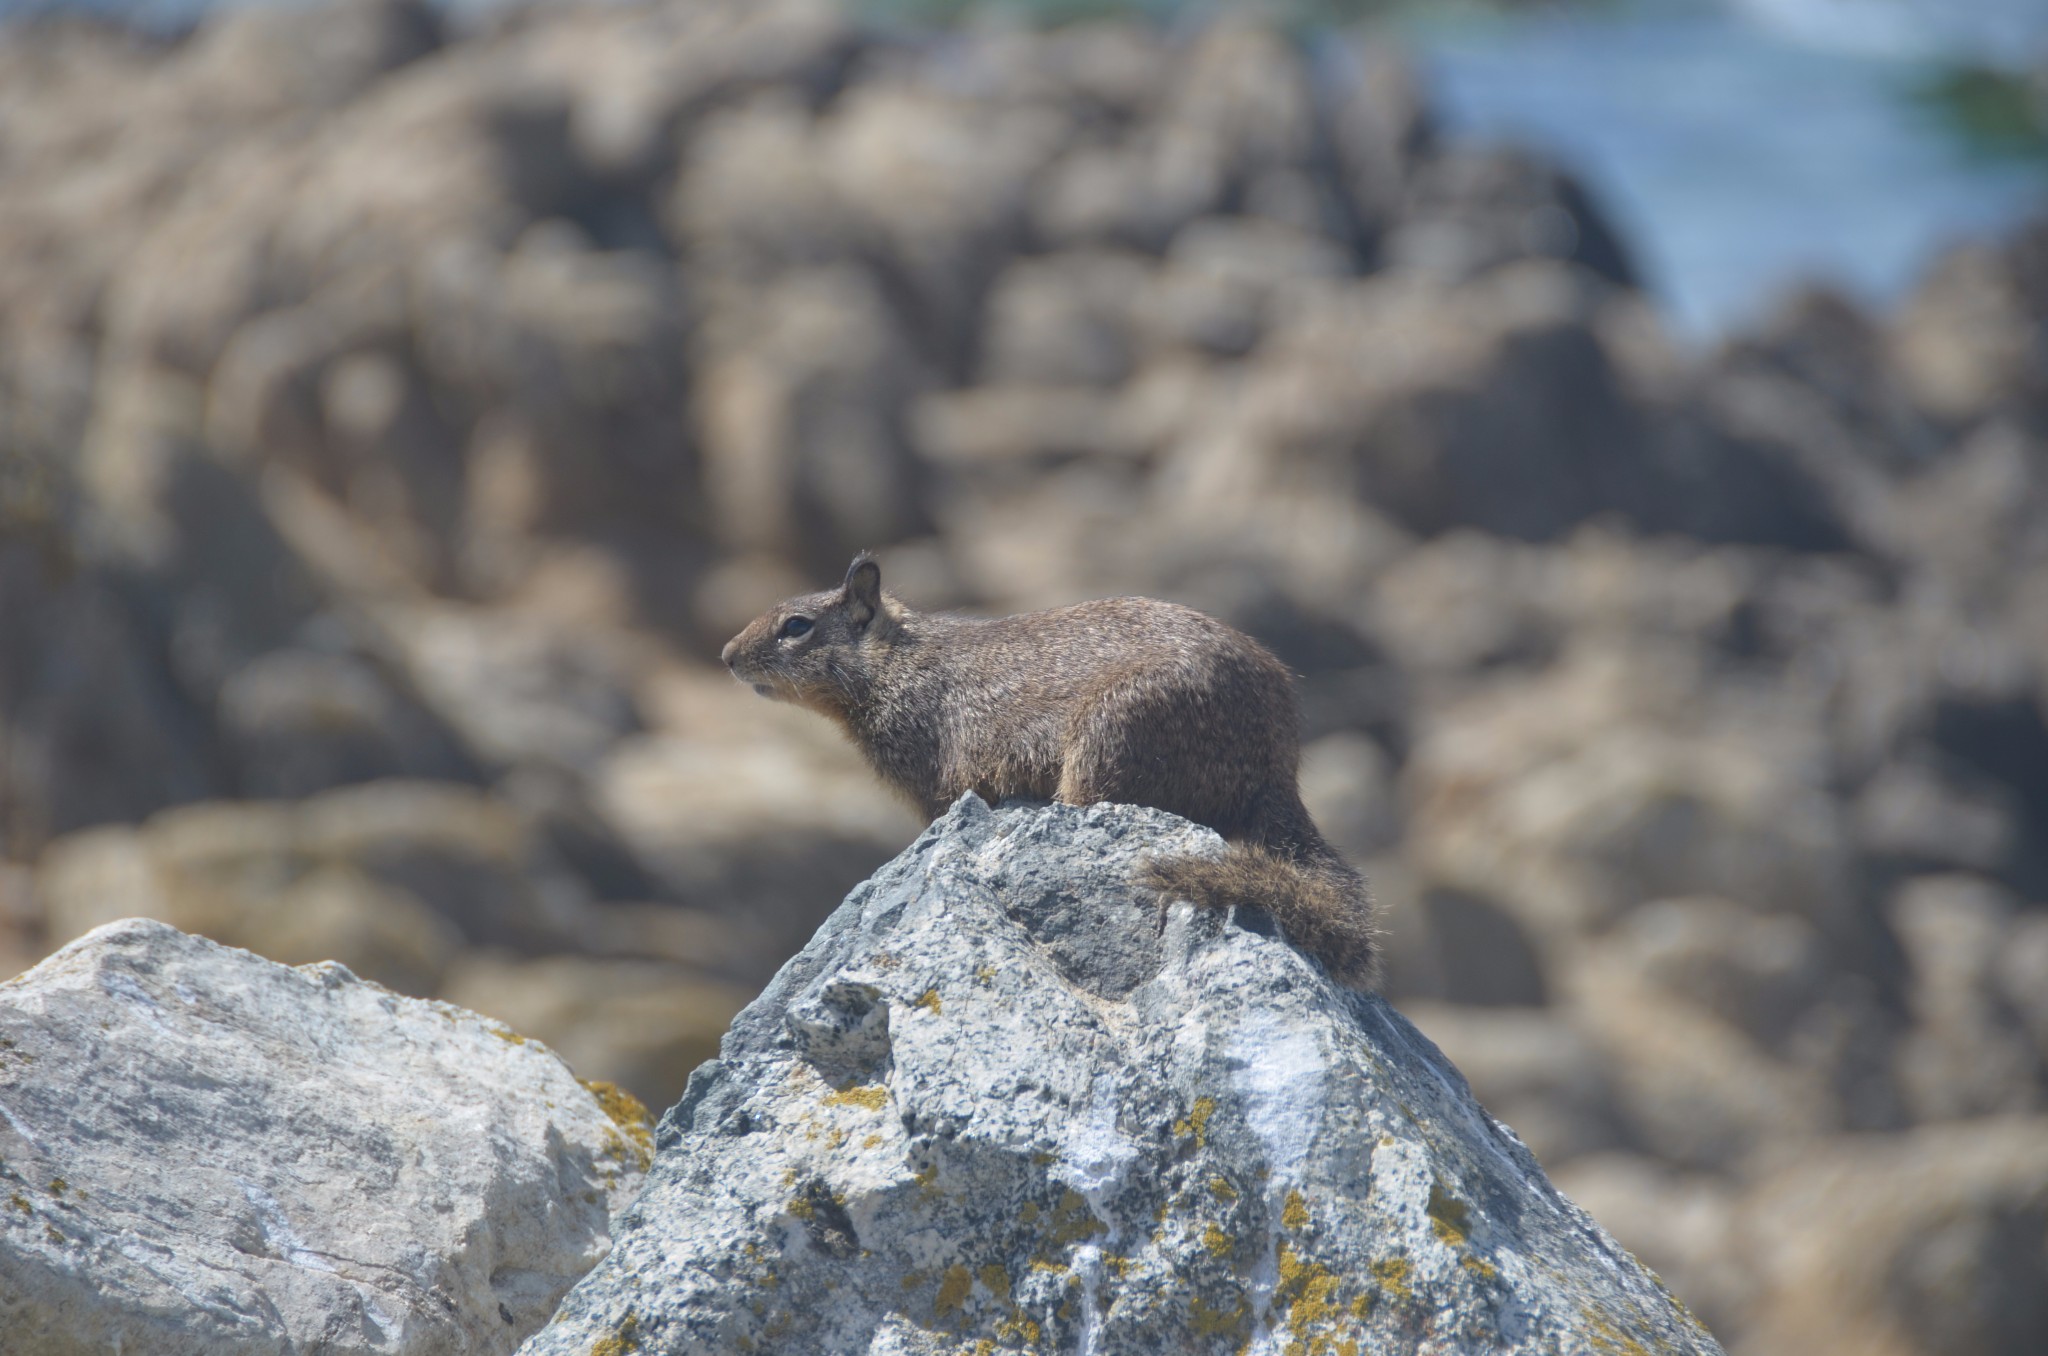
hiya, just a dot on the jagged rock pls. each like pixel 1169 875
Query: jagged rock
pixel 390 877
pixel 992 1103
pixel 204 1152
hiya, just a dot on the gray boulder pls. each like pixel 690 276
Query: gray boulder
pixel 994 1105
pixel 206 1154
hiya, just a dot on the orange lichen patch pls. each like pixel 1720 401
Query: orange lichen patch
pixel 1392 1274
pixel 929 1001
pixel 1217 1242
pixel 1484 1270
pixel 1307 1295
pixel 624 1338
pixel 1222 1190
pixel 1196 1122
pixel 1606 1337
pixel 627 1112
pixel 954 1287
pixel 871 1096
pixel 1295 1215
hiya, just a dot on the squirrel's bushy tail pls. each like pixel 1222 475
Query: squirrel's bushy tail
pixel 1316 897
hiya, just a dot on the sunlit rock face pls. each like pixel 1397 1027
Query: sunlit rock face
pixel 995 1104
pixel 203 1153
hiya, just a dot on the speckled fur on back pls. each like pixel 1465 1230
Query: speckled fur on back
pixel 1126 699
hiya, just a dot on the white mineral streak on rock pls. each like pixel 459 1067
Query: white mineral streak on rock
pixel 1277 1071
pixel 991 1107
pixel 14 1123
pixel 207 1154
pixel 1095 1157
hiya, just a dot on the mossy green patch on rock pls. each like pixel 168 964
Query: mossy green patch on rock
pixel 1447 1215
pixel 1233 1324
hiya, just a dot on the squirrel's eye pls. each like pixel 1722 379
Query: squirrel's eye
pixel 794 627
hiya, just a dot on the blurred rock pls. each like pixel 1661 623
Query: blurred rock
pixel 1347 781
pixel 802 421
pixel 1070 317
pixel 938 186
pixel 1533 1071
pixel 1908 1245
pixel 1471 210
pixel 1606 782
pixel 751 830
pixel 522 690
pixel 1967 340
pixel 1495 405
pixel 1913 813
pixel 1969 1053
pixel 92 729
pixel 1696 1092
pixel 641 1024
pixel 1811 1009
pixel 389 877
pixel 297 722
pixel 322 58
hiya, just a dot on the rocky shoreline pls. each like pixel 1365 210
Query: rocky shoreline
pixel 394 419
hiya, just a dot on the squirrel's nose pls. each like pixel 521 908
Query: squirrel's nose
pixel 727 653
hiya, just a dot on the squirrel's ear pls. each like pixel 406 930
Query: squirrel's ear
pixel 863 589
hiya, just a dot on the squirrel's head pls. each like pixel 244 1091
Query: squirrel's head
pixel 813 649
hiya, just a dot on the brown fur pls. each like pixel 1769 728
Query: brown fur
pixel 1125 699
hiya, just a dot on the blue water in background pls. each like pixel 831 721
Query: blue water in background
pixel 1746 146
pixel 1740 145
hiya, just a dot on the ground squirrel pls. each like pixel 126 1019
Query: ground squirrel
pixel 1126 699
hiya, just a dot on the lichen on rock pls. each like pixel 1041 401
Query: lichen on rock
pixel 995 1105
